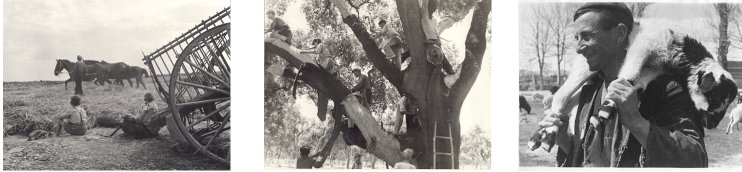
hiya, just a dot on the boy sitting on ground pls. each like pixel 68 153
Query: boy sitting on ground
pixel 75 122
pixel 139 125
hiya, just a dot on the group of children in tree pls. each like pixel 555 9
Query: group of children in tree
pixel 390 44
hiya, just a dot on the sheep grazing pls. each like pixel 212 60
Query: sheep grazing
pixel 734 118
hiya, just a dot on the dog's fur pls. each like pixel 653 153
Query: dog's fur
pixel 651 53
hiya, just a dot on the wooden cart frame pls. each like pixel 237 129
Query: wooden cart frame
pixel 192 74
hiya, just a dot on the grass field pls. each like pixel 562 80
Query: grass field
pixel 31 106
pixel 723 150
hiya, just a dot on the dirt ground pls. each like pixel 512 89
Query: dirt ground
pixel 723 150
pixel 29 102
pixel 97 152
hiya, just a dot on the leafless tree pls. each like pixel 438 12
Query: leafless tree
pixel 558 19
pixel 725 13
pixel 638 8
pixel 540 39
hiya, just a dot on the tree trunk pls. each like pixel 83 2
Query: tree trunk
pixel 541 77
pixel 377 141
pixel 723 9
pixel 559 72
pixel 423 81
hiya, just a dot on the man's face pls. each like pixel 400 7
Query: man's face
pixel 356 73
pixel 598 46
pixel 271 15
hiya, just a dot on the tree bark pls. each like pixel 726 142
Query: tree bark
pixel 476 45
pixel 378 142
pixel 723 9
pixel 422 82
pixel 374 54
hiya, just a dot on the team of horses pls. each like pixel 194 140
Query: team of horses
pixel 101 71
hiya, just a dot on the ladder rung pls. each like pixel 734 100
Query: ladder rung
pixel 442 137
pixel 441 153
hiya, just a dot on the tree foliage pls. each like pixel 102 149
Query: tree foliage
pixel 348 41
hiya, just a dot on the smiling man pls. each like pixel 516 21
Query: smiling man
pixel 665 130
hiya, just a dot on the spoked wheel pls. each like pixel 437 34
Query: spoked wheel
pixel 199 93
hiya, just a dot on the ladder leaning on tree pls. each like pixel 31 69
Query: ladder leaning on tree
pixel 437 137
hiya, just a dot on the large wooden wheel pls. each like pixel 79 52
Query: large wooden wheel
pixel 199 93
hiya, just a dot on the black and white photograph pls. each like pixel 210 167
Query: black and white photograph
pixel 116 85
pixel 377 84
pixel 630 84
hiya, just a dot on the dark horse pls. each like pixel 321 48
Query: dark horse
pixel 95 70
pixel 136 72
pixel 117 71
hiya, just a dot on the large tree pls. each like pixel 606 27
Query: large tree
pixel 540 38
pixel 558 19
pixel 422 80
pixel 725 11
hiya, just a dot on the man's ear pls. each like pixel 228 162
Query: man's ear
pixel 621 33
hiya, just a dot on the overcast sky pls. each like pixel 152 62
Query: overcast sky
pixel 687 18
pixel 38 31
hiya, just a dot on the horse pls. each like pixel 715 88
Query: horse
pixel 136 72
pixel 95 70
pixel 118 71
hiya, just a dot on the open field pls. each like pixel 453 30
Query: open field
pixel 723 150
pixel 31 105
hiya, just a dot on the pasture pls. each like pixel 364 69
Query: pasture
pixel 31 105
pixel 724 151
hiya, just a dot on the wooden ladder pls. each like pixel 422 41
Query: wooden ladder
pixel 436 137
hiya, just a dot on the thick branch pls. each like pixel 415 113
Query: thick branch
pixel 374 54
pixel 314 76
pixel 327 148
pixel 476 44
pixel 419 69
pixel 379 142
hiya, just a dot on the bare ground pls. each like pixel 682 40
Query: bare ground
pixel 97 152
pixel 36 102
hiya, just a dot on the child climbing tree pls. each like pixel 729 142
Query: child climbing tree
pixel 439 102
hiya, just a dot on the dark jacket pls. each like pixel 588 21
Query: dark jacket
pixel 363 84
pixel 675 136
pixel 80 69
pixel 305 162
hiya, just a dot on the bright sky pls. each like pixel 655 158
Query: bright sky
pixel 688 18
pixel 36 32
pixel 476 108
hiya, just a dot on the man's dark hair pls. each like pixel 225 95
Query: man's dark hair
pixel 304 150
pixel 358 70
pixel 612 14
pixel 316 41
pixel 271 12
pixel 382 22
pixel 554 89
pixel 148 97
pixel 75 100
